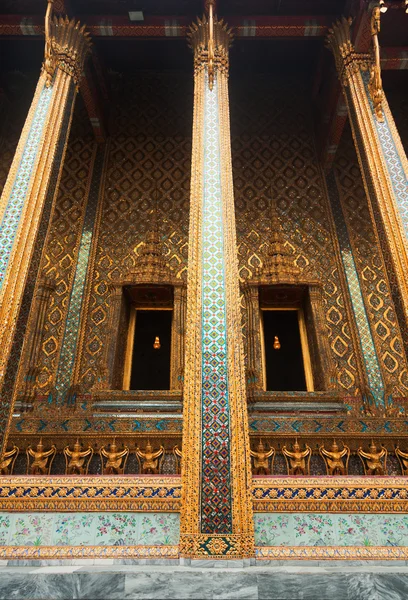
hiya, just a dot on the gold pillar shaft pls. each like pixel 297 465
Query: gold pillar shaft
pixel 375 165
pixel 178 338
pixel 30 370
pixel 216 518
pixel 23 198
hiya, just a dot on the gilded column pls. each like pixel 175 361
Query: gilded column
pixel 253 347
pixel 216 520
pixel 42 298
pixel 24 196
pixel 382 159
pixel 178 337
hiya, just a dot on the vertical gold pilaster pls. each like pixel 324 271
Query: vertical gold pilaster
pixel 178 337
pixel 255 375
pixel 217 519
pixel 26 188
pixel 373 131
pixel 30 370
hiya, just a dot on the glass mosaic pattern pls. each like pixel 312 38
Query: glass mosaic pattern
pixel 216 500
pixel 371 363
pixel 393 160
pixel 67 357
pixel 15 204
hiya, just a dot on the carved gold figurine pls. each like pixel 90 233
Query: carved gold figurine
pixel 178 456
pixel 333 459
pixel 261 459
pixel 42 459
pixel 402 459
pixel 297 460
pixel 149 460
pixel 77 460
pixel 374 461
pixel 115 460
pixel 7 460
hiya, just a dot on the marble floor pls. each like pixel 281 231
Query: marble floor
pixel 99 580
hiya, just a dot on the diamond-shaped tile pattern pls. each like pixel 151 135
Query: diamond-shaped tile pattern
pixel 15 203
pixel 371 266
pixel 371 362
pixel 216 499
pixel 63 238
pixel 149 157
pixel 272 141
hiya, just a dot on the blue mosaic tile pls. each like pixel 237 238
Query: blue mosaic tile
pixel 15 204
pixel 371 362
pixel 393 161
pixel 69 342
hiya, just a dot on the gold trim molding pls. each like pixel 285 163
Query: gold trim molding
pixel 90 493
pixel 330 494
pixel 73 552
pixel 164 494
pixel 331 553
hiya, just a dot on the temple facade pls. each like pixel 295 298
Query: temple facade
pixel 204 280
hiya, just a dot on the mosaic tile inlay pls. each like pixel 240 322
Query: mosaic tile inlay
pixel 216 500
pixel 15 204
pixel 69 343
pixel 393 160
pixel 371 363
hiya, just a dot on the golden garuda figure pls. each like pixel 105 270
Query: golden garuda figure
pixel 374 461
pixel 402 459
pixel 77 460
pixel 333 459
pixel 41 459
pixel 150 460
pixel 7 460
pixel 261 459
pixel 297 460
pixel 113 461
pixel 178 454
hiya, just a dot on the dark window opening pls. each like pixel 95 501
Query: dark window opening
pixel 151 366
pixel 284 366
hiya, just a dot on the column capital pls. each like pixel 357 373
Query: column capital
pixel 199 37
pixel 66 48
pixel 347 60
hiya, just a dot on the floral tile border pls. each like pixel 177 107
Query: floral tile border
pixel 331 530
pixel 89 529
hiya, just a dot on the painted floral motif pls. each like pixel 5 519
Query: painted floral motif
pixel 159 529
pixel 394 530
pixel 74 529
pixel 32 530
pixel 273 530
pixel 358 530
pixel 5 522
pixel 116 529
pixel 314 530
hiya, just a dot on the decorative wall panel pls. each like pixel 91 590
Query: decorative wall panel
pixel 62 244
pixel 150 155
pixel 368 350
pixel 89 529
pixel 325 529
pixel 372 271
pixel 273 153
pixel 72 326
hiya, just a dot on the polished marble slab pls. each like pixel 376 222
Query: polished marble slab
pixel 307 581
